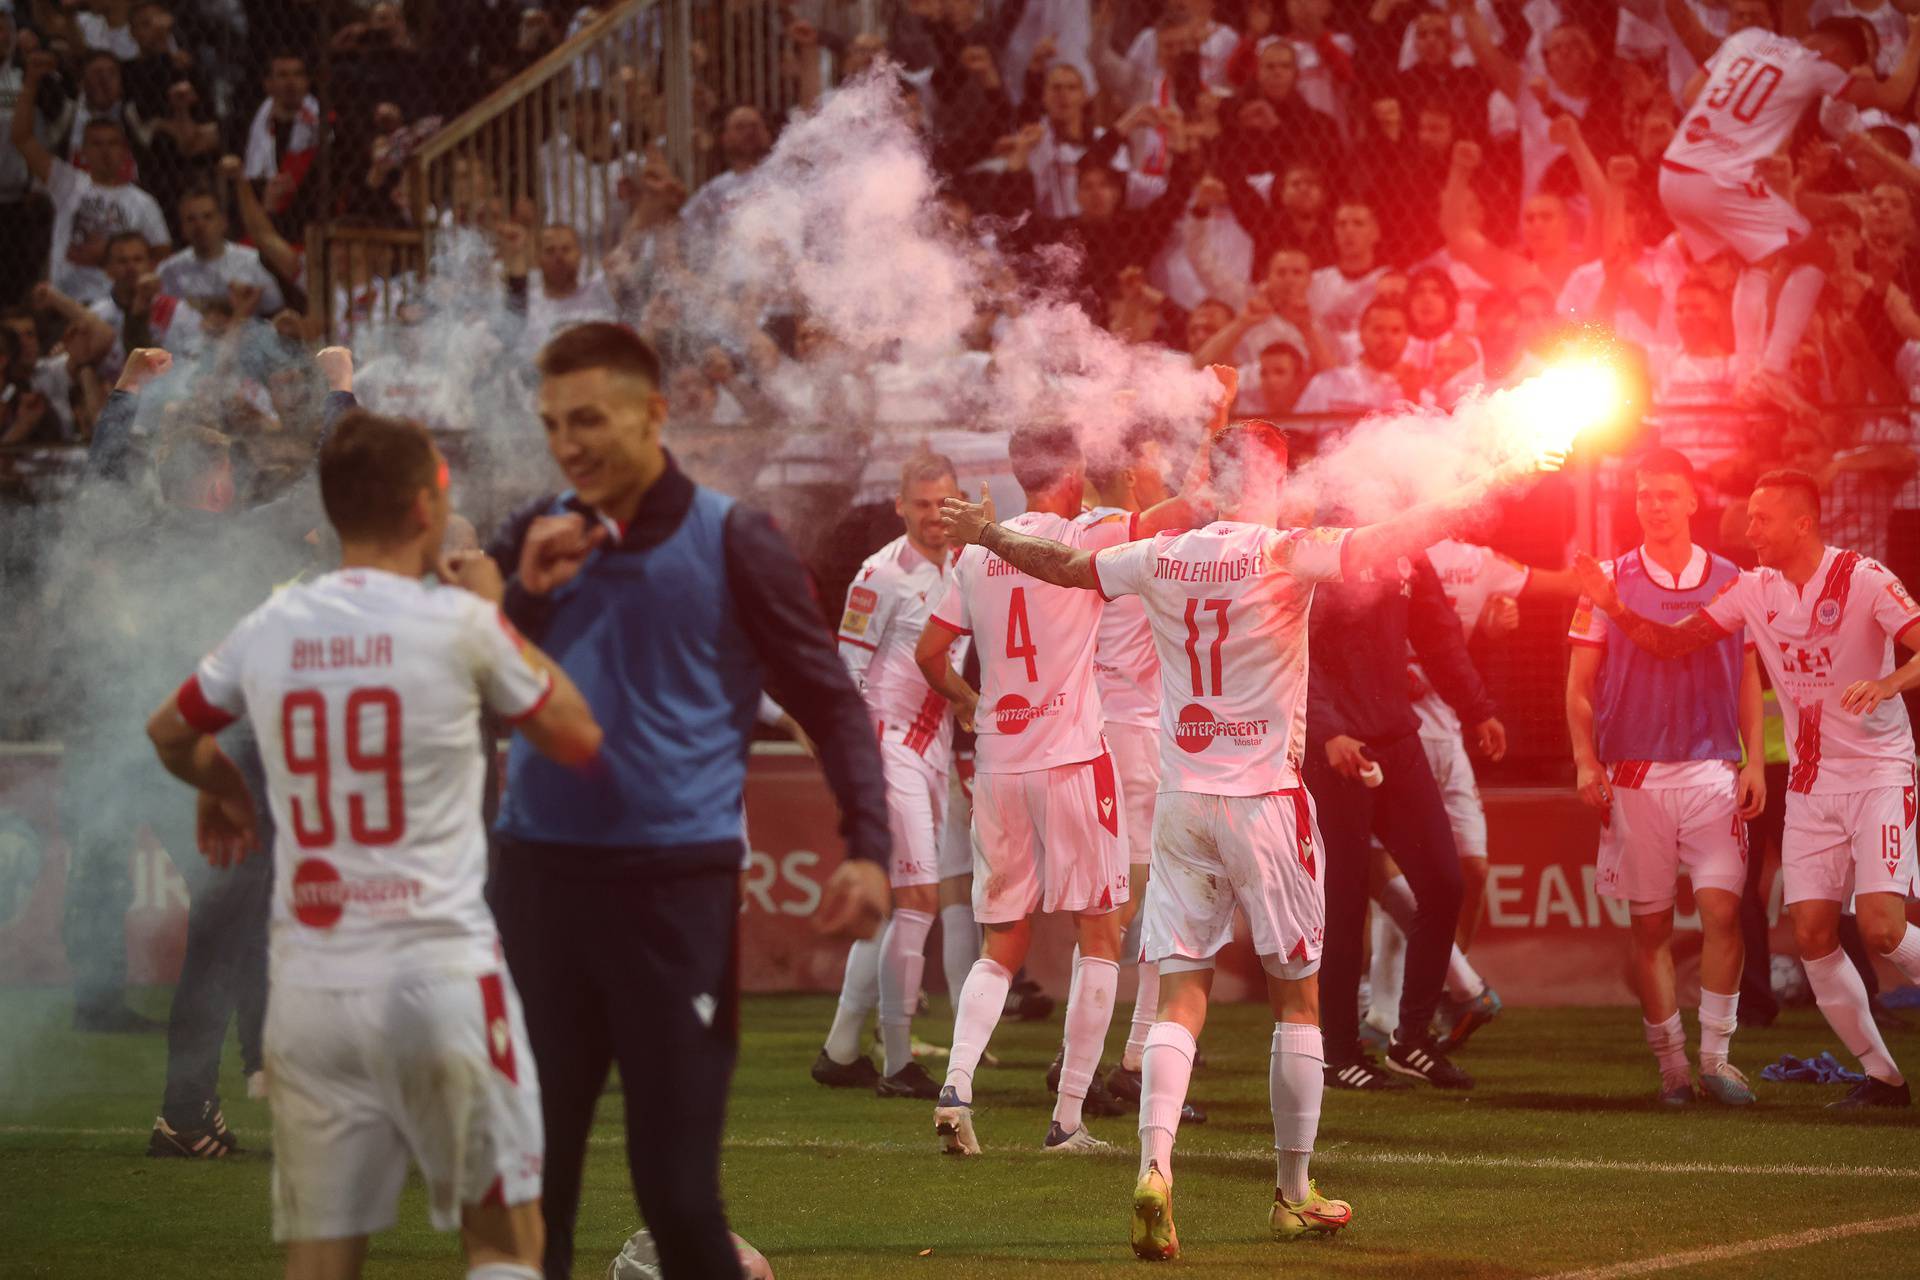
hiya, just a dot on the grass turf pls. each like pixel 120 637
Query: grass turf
pixel 1558 1161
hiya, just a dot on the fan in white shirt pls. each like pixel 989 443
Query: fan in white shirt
pixel 1825 622
pixel 209 265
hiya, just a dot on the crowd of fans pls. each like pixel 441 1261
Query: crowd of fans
pixel 1360 204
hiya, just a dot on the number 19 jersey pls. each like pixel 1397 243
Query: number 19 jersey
pixel 1039 703
pixel 365 690
pixel 1229 606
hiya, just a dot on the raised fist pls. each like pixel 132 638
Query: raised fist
pixel 144 365
pixel 336 366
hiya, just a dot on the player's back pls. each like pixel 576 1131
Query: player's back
pixel 365 690
pixel 1229 606
pixel 1039 705
pixel 1758 86
pixel 1124 664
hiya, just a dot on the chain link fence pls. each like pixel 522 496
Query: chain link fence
pixel 1356 204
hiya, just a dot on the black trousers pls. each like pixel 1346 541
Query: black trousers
pixel 643 972
pixel 1406 813
pixel 224 973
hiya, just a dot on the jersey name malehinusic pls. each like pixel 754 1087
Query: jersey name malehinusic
pixel 1229 607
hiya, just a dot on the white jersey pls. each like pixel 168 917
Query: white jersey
pixel 1470 575
pixel 1758 86
pixel 365 689
pixel 1228 605
pixel 1815 644
pixel 1038 704
pixel 887 609
pixel 1124 664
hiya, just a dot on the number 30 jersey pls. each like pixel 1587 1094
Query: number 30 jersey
pixel 1039 703
pixel 1229 606
pixel 1758 86
pixel 365 689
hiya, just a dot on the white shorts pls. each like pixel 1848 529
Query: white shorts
pixel 1260 853
pixel 1136 757
pixel 916 814
pixel 1459 792
pixel 1835 846
pixel 437 1067
pixel 956 840
pixel 1753 220
pixel 1049 840
pixel 1650 835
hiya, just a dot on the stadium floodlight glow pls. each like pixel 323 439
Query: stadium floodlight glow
pixel 1573 396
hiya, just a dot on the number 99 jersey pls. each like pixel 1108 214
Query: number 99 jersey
pixel 1229 608
pixel 365 689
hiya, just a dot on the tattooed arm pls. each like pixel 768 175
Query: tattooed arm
pixel 1694 632
pixel 1040 558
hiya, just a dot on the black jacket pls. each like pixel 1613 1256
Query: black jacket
pixel 1360 629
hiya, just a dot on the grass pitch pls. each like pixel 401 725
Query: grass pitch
pixel 1559 1162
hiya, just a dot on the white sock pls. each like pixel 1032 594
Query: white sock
pixel 903 957
pixel 959 946
pixel 1073 993
pixel 1089 1014
pixel 1906 955
pixel 859 992
pixel 983 998
pixel 1296 1075
pixel 1842 998
pixel 1463 980
pixel 1388 971
pixel 1166 1068
pixel 1749 316
pixel 1718 1017
pixel 1146 1011
pixel 1791 311
pixel 504 1271
pixel 1668 1040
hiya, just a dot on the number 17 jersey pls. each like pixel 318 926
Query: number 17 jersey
pixel 1229 606
pixel 364 689
pixel 1039 703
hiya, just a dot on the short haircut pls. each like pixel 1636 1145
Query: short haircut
pixel 1383 304
pixel 1665 462
pixel 600 345
pixel 567 227
pixel 119 238
pixel 1239 445
pixel 1042 455
pixel 926 465
pixel 1793 482
pixel 197 191
pixel 94 55
pixel 371 470
pixel 1851 32
pixel 1108 457
pixel 286 55
pixel 1283 349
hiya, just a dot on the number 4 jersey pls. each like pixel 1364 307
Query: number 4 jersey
pixel 1228 605
pixel 365 690
pixel 1039 704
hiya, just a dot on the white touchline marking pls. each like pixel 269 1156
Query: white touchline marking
pixel 1723 1252
pixel 1336 1154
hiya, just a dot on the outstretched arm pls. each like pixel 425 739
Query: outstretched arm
pixel 1040 558
pixel 1425 523
pixel 1694 632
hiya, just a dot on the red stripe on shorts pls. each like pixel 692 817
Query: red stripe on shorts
pixel 1106 794
pixel 493 1001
